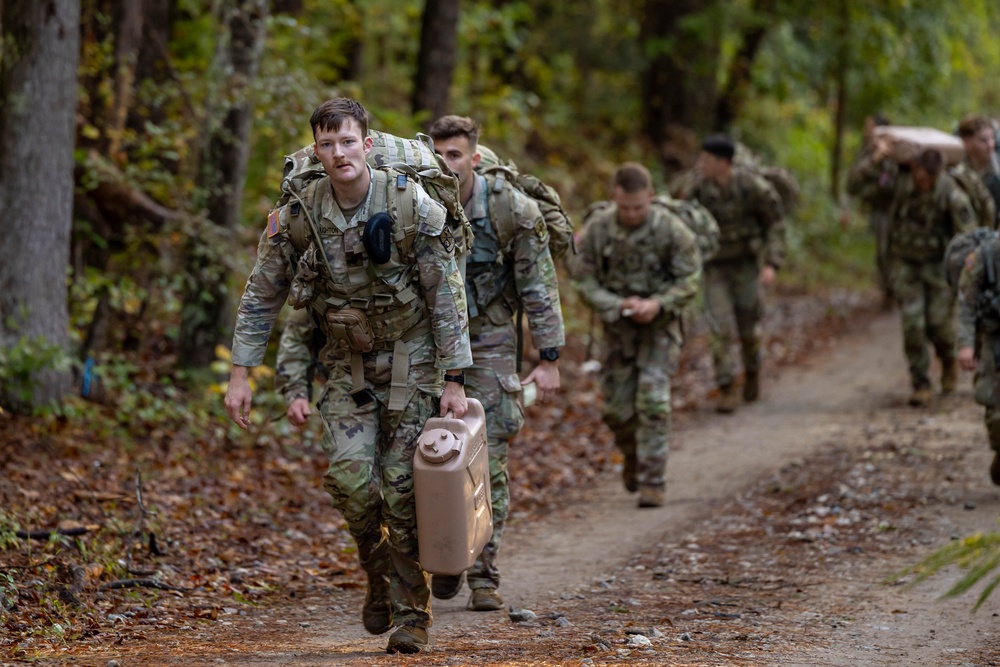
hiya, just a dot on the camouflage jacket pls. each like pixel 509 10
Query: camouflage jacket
pixel 657 260
pixel 750 217
pixel 510 265
pixel 924 222
pixel 295 355
pixel 428 283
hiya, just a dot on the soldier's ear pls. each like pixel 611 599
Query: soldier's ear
pixel 476 158
pixel 368 145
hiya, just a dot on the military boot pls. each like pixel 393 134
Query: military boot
pixel 995 468
pixel 408 639
pixel 376 614
pixel 751 386
pixel 949 376
pixel 486 599
pixel 921 397
pixel 446 586
pixel 652 496
pixel 729 400
pixel 629 473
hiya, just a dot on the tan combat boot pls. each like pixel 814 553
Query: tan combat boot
pixel 949 376
pixel 921 398
pixel 751 386
pixel 486 599
pixel 652 496
pixel 408 639
pixel 729 400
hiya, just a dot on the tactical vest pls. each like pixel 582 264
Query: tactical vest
pixel 388 294
pixel 921 222
pixel 633 261
pixel 740 234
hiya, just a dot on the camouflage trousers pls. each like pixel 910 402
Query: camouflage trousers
pixel 734 308
pixel 985 385
pixel 636 388
pixel 370 474
pixel 928 307
pixel 492 379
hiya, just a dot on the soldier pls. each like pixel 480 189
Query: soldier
pixel 752 249
pixel 979 336
pixel 978 135
pixel 928 209
pixel 509 262
pixel 877 200
pixel 638 266
pixel 398 342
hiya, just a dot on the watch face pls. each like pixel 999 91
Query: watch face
pixel 549 354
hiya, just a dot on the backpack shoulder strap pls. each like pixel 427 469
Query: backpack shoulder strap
pixel 500 204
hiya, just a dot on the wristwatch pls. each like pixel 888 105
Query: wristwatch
pixel 549 353
pixel 458 377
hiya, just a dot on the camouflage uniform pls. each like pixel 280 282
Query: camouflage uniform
pixel 657 260
pixel 980 331
pixel 505 265
pixel 295 356
pixel 869 183
pixel 983 188
pixel 417 298
pixel 922 225
pixel 751 233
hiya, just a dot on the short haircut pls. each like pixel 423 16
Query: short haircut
pixel 632 177
pixel 719 145
pixel 331 115
pixel 930 161
pixel 447 127
pixel 970 126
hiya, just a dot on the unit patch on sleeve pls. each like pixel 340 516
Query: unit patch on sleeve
pixel 272 223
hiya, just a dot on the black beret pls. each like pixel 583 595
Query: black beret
pixel 719 145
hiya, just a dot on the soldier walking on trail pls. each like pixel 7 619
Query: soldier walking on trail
pixel 397 324
pixel 878 201
pixel 979 335
pixel 751 250
pixel 928 209
pixel 509 262
pixel 638 267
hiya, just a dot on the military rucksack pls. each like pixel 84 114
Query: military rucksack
pixel 557 221
pixel 960 247
pixel 781 179
pixel 414 157
pixel 979 195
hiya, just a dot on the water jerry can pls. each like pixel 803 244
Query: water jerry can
pixel 451 482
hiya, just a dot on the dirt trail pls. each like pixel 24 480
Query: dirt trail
pixel 561 561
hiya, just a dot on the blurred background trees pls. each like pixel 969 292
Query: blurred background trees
pixel 185 108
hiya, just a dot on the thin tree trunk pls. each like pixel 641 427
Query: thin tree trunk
pixel 840 113
pixel 41 44
pixel 207 312
pixel 741 67
pixel 436 61
pixel 679 86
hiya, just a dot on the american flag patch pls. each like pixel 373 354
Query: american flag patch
pixel 272 223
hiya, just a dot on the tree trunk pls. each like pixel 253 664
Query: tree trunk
pixel 741 67
pixel 41 44
pixel 436 61
pixel 207 308
pixel 679 86
pixel 843 65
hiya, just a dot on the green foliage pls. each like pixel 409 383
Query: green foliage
pixel 22 366
pixel 977 554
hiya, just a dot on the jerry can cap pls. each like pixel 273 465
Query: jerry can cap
pixel 439 446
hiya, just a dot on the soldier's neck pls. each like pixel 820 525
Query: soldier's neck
pixel 351 195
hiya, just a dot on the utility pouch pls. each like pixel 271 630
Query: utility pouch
pixel 351 326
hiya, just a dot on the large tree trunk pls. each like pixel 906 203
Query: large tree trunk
pixel 207 311
pixel 741 67
pixel 436 62
pixel 679 85
pixel 41 44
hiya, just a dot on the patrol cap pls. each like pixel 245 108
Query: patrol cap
pixel 378 238
pixel 719 145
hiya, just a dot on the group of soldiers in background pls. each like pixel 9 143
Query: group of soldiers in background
pixel 927 217
pixel 412 325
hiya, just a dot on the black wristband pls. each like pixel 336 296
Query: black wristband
pixel 460 378
pixel 549 353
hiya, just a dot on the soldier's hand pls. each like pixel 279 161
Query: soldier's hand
pixel 298 411
pixel 453 400
pixel 767 275
pixel 967 358
pixel 645 311
pixel 238 397
pixel 546 378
